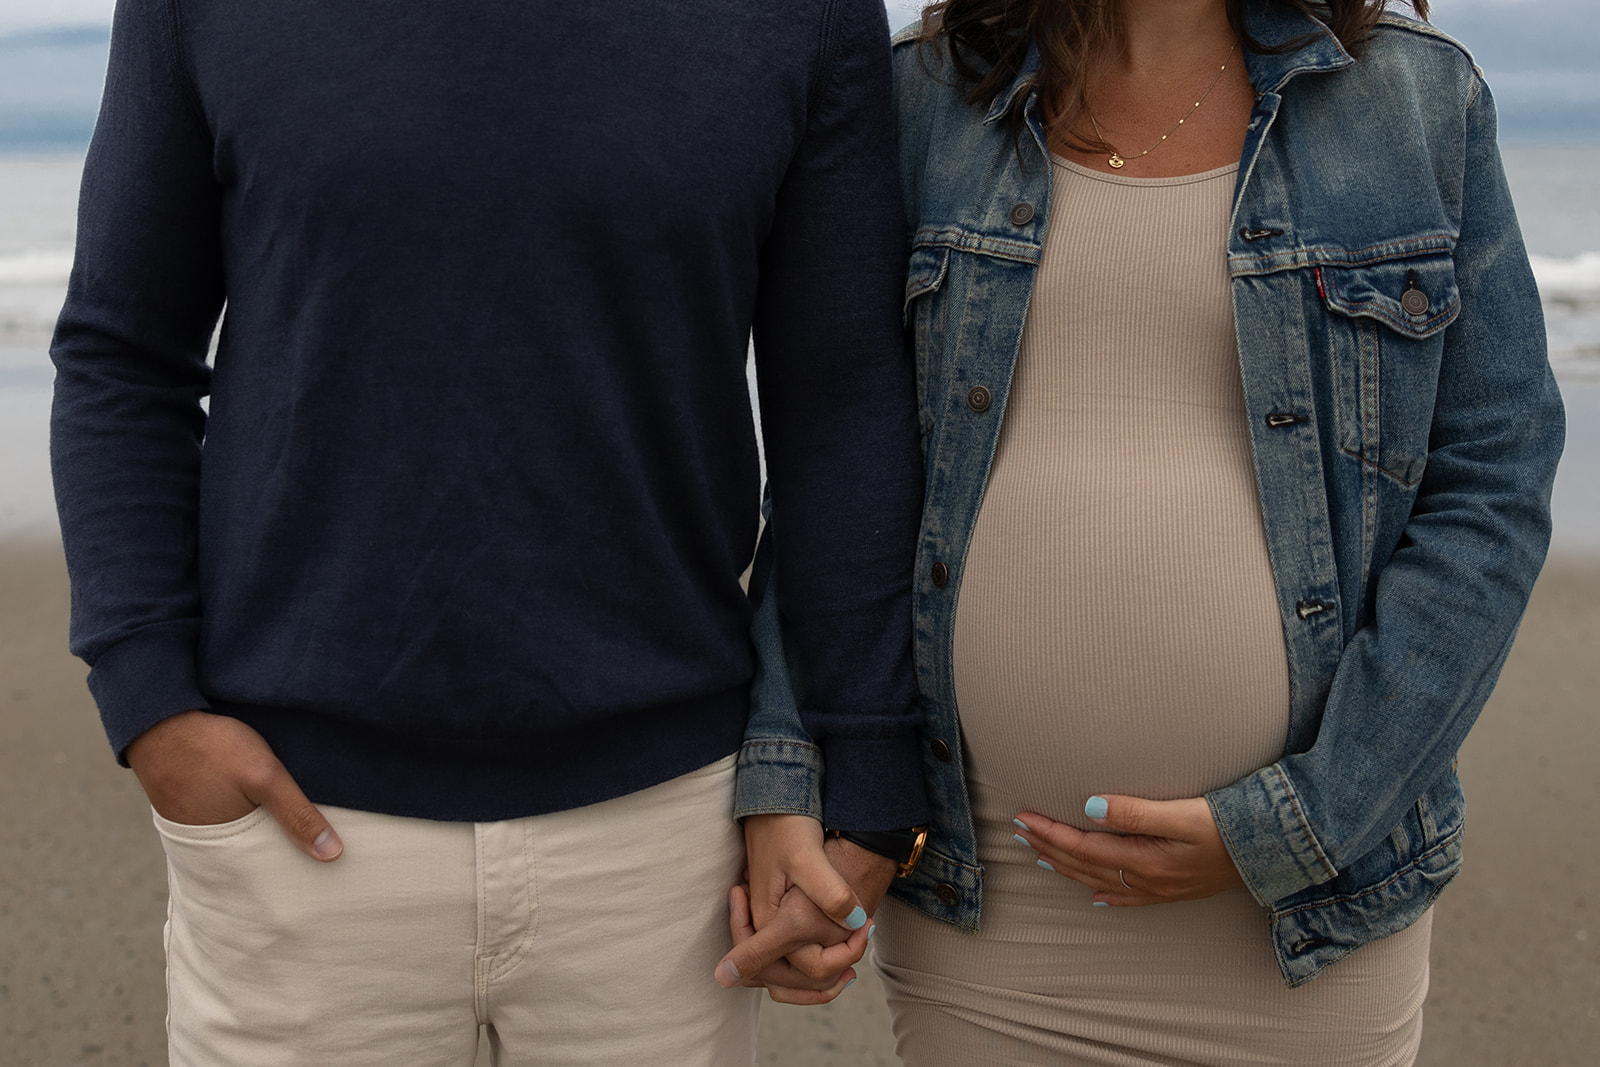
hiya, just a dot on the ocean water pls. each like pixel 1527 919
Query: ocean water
pixel 1555 188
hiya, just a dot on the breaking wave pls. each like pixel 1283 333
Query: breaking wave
pixel 33 285
pixel 35 268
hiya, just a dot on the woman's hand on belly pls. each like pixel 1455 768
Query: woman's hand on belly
pixel 1160 851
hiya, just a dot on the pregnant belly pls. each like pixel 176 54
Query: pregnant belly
pixel 1126 641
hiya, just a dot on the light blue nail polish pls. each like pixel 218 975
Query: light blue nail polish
pixel 870 931
pixel 858 918
pixel 848 984
pixel 1101 904
pixel 1025 826
pixel 1019 839
pixel 1096 808
pixel 1047 867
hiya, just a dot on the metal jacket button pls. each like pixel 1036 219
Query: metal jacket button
pixel 940 575
pixel 979 398
pixel 1413 301
pixel 1021 214
pixel 947 894
pixel 941 751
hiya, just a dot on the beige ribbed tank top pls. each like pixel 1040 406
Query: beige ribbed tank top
pixel 1117 587
pixel 1117 631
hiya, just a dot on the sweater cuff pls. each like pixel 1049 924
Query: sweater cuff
pixel 874 784
pixel 145 678
pixel 1264 827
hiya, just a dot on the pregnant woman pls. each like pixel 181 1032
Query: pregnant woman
pixel 1239 435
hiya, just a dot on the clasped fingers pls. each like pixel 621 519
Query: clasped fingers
pixel 799 951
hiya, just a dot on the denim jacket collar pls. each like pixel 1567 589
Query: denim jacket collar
pixel 1276 26
pixel 1270 24
pixel 1021 83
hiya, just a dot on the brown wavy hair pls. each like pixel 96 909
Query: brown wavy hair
pixel 988 40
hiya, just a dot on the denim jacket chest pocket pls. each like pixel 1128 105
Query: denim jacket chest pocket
pixel 1385 337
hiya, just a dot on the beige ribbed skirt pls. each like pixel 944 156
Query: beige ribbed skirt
pixel 1118 632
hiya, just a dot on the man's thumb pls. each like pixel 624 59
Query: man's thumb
pixel 752 953
pixel 300 819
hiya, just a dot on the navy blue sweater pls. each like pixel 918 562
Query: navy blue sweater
pixel 462 530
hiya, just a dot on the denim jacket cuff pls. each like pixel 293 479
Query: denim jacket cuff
pixel 777 776
pixel 1265 828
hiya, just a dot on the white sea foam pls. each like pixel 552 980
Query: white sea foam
pixel 36 267
pixel 1573 277
pixel 1574 280
pixel 33 284
pixel 1570 289
pixel 28 315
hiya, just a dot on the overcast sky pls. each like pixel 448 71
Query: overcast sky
pixel 1541 56
pixel 35 14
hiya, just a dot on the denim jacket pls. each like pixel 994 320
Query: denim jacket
pixel 1404 425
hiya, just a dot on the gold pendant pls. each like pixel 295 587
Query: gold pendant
pixel 1116 161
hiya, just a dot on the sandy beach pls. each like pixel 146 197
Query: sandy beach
pixel 1516 951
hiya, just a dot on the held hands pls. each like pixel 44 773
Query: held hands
pixel 801 923
pixel 1165 850
pixel 203 769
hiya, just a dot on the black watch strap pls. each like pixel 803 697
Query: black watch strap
pixel 902 846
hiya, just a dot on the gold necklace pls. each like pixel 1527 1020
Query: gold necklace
pixel 1117 158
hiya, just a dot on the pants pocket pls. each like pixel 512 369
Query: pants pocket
pixel 185 832
pixel 277 960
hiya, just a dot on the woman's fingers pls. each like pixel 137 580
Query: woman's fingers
pixel 784 982
pixel 1107 885
pixel 1151 852
pixel 1097 851
pixel 789 950
pixel 1070 865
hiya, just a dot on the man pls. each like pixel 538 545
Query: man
pixel 445 582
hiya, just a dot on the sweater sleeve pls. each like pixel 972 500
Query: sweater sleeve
pixel 130 355
pixel 839 422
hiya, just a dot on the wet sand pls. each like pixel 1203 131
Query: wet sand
pixel 1516 950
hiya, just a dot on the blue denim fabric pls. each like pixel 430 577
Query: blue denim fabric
pixel 780 766
pixel 1404 451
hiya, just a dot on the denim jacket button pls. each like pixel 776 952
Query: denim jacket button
pixel 1021 214
pixel 941 751
pixel 947 894
pixel 979 398
pixel 1414 301
pixel 940 575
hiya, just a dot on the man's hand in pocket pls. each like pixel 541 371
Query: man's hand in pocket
pixel 201 769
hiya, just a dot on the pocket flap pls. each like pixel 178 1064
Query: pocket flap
pixel 1415 297
pixel 926 273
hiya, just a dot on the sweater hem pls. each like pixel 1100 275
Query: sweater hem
pixel 379 767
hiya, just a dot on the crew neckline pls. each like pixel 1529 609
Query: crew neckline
pixel 1128 179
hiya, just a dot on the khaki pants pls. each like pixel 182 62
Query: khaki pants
pixel 581 937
